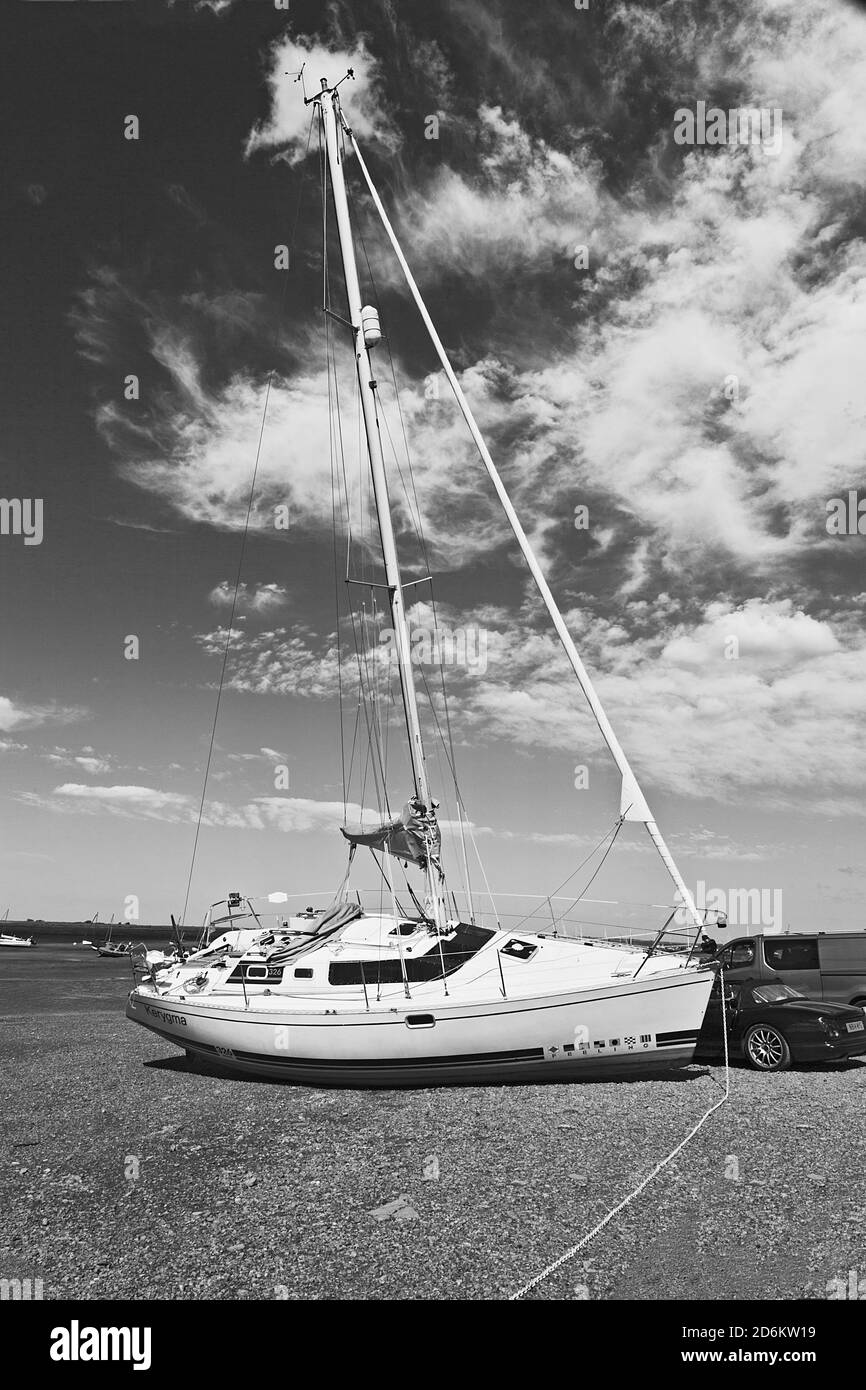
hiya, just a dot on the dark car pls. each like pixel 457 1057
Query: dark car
pixel 772 1025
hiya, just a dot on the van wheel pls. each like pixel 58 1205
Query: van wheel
pixel 766 1048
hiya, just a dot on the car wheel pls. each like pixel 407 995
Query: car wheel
pixel 766 1048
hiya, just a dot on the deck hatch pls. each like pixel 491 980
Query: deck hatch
pixel 520 950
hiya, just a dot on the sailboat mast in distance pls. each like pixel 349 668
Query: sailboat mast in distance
pixel 365 328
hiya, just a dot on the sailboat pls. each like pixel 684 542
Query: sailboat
pixel 109 948
pixel 7 938
pixel 353 995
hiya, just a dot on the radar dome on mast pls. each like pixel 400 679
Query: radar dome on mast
pixel 371 326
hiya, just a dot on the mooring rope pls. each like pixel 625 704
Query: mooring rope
pixel 591 1235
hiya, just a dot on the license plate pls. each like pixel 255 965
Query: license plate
pixel 854 1027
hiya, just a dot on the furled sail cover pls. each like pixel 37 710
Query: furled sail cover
pixel 339 915
pixel 414 836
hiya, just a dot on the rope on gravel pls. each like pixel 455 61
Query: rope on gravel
pixel 575 1249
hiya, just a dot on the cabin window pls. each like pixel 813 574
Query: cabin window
pixel 460 947
pixel 303 973
pixel 256 971
pixel 404 929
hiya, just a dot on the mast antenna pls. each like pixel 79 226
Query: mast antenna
pixel 326 90
pixel 299 77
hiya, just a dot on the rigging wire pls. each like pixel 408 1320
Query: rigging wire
pixel 594 875
pixel 445 739
pixel 333 463
pixel 614 832
pixel 243 546
pixel 390 886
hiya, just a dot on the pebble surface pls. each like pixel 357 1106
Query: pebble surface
pixel 128 1174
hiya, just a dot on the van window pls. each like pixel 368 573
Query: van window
pixel 741 953
pixel 791 955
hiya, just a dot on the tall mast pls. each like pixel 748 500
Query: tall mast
pixel 633 804
pixel 329 103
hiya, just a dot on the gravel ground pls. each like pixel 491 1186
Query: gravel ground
pixel 125 1174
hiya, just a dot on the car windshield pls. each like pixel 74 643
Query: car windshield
pixel 775 993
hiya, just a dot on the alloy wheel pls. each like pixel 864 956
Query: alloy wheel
pixel 767 1049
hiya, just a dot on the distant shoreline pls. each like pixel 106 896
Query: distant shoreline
pixel 92 931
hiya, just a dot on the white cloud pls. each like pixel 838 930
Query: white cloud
pixel 614 380
pixel 211 441
pixel 260 598
pixel 278 662
pixel 128 800
pixel 773 727
pixel 215 6
pixel 19 716
pixel 14 716
pixel 288 120
pixel 533 203
pixel 773 634
pixel 94 765
pixel 722 266
pixel 297 814
pixel 87 759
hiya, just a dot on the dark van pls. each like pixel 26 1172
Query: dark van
pixel 821 965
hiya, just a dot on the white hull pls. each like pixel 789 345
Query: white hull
pixel 620 1028
pixel 11 942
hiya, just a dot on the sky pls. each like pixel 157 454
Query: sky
pixel 670 336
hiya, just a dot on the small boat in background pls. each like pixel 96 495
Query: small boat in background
pixel 7 939
pixel 110 948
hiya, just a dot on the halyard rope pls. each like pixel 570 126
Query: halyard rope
pixel 243 546
pixel 575 1249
